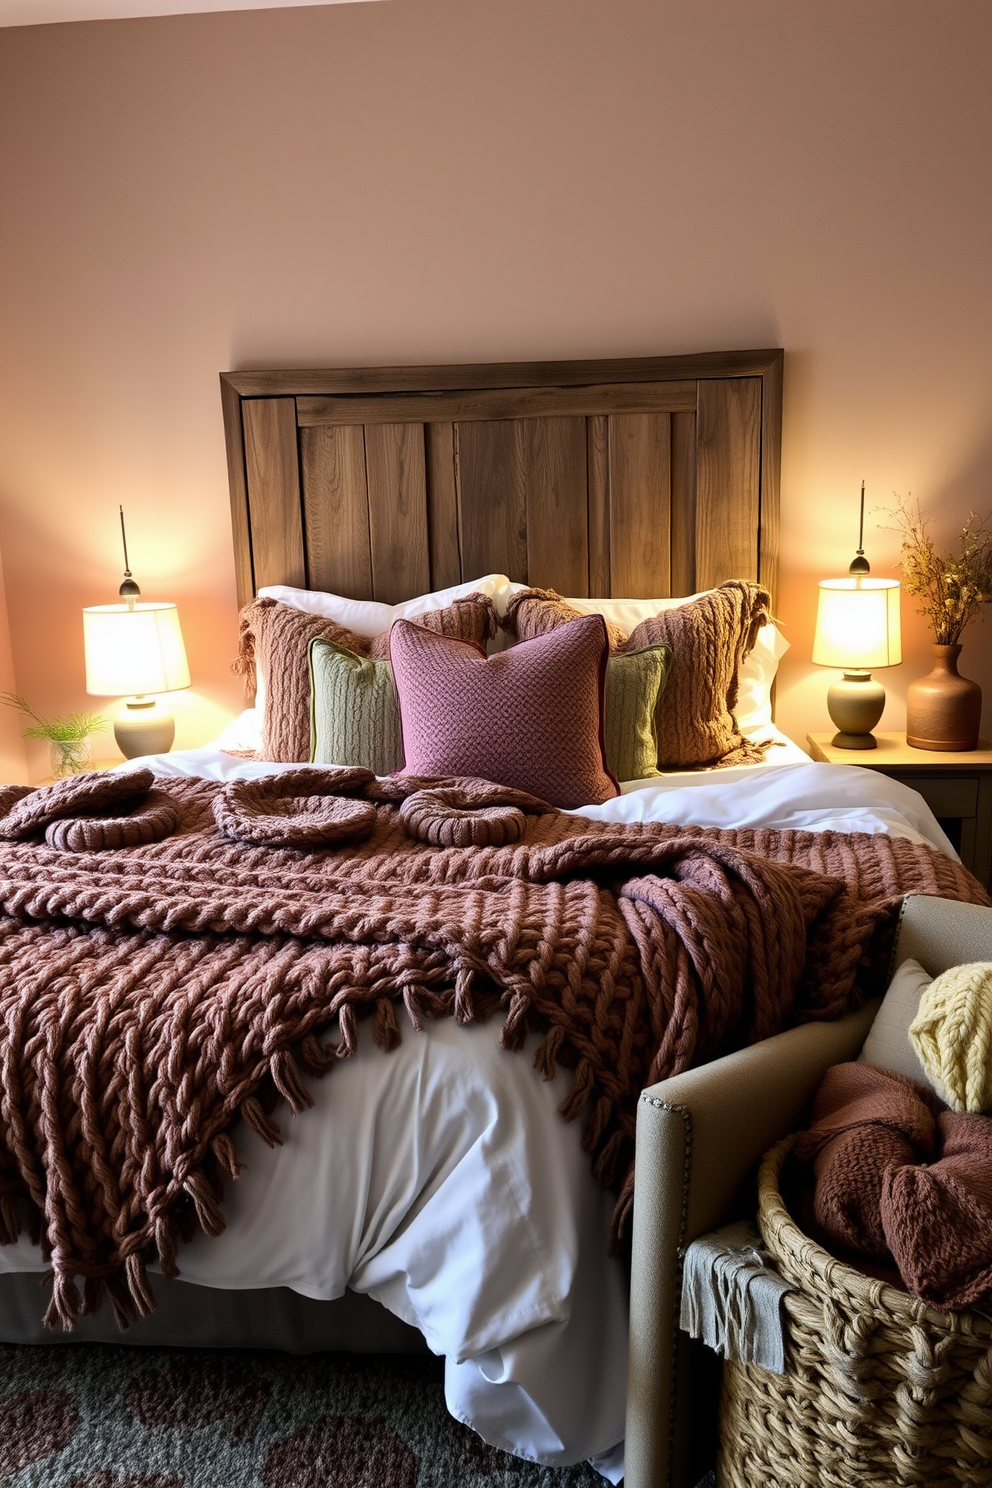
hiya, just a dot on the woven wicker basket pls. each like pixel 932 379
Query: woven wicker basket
pixel 879 1389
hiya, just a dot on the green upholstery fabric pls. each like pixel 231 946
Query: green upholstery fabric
pixel 634 682
pixel 354 710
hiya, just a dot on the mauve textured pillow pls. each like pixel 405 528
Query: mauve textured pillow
pixel 710 637
pixel 530 717
pixel 275 638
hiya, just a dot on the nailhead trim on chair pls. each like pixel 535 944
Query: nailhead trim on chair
pixel 686 1116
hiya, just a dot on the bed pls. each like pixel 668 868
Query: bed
pixel 636 478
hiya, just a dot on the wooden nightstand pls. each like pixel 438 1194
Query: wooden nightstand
pixel 100 764
pixel 957 787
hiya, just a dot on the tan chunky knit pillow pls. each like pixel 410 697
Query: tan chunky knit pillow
pixel 709 637
pixel 275 637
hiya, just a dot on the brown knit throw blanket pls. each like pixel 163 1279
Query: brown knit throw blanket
pixel 152 994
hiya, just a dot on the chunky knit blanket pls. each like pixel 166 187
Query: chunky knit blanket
pixel 153 994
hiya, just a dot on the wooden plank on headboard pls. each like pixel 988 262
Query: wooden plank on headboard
pixel 442 506
pixel 598 501
pixel 728 474
pixel 273 480
pixel 336 510
pixel 557 514
pixel 492 498
pixel 234 438
pixel 499 403
pixel 771 468
pixel 640 505
pixel 397 476
pixel 683 503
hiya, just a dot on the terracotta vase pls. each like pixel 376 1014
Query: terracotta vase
pixel 943 709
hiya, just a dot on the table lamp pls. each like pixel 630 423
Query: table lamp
pixel 857 629
pixel 134 649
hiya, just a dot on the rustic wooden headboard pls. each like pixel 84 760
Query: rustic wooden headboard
pixel 634 478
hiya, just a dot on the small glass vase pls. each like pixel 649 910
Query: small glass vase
pixel 70 756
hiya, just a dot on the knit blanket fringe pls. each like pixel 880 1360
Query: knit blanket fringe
pixel 151 995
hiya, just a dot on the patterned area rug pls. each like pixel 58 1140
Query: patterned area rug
pixel 93 1416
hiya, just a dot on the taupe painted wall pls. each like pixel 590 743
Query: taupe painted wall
pixel 424 180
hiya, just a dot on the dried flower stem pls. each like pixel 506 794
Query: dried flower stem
pixel 952 589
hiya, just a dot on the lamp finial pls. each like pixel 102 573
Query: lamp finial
pixel 129 590
pixel 860 564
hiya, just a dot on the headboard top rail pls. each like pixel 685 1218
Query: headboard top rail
pixel 278 381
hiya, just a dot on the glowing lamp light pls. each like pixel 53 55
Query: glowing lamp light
pixel 132 650
pixel 857 629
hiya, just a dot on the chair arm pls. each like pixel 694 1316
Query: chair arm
pixel 699 1135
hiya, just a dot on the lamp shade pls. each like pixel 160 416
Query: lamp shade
pixel 135 649
pixel 857 624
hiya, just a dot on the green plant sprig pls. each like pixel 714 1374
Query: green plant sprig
pixel 70 728
pixel 952 588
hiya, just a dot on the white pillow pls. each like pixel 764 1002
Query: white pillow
pixel 754 696
pixel 369 617
pixel 888 1045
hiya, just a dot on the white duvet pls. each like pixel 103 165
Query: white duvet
pixel 440 1180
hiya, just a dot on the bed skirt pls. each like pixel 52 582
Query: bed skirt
pixel 190 1316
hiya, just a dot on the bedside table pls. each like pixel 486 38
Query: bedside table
pixel 99 765
pixel 956 786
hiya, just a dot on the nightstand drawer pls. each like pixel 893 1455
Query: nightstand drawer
pixel 946 797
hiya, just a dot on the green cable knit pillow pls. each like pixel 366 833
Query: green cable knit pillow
pixel 355 717
pixel 634 683
pixel 354 710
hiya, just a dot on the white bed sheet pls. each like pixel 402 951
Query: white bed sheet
pixel 440 1180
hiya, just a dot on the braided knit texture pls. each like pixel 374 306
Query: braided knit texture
pixel 952 1036
pixel 148 818
pixel 471 815
pixel 76 795
pixel 308 807
pixel 151 995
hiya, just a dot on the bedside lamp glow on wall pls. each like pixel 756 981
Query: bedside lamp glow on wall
pixel 132 650
pixel 857 629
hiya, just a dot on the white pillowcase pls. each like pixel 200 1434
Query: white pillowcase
pixel 888 1045
pixel 754 696
pixel 369 617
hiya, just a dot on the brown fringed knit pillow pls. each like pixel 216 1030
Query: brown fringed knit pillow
pixel 710 637
pixel 275 637
pixel 534 612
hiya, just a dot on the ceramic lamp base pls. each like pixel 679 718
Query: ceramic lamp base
pixel 855 705
pixel 144 727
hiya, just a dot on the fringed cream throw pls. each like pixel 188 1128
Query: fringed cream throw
pixel 152 995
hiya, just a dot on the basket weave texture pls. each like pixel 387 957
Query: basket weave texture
pixel 879 1389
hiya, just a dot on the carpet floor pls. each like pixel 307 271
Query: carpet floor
pixel 94 1416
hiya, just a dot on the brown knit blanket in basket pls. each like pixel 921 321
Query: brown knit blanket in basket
pixel 152 994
